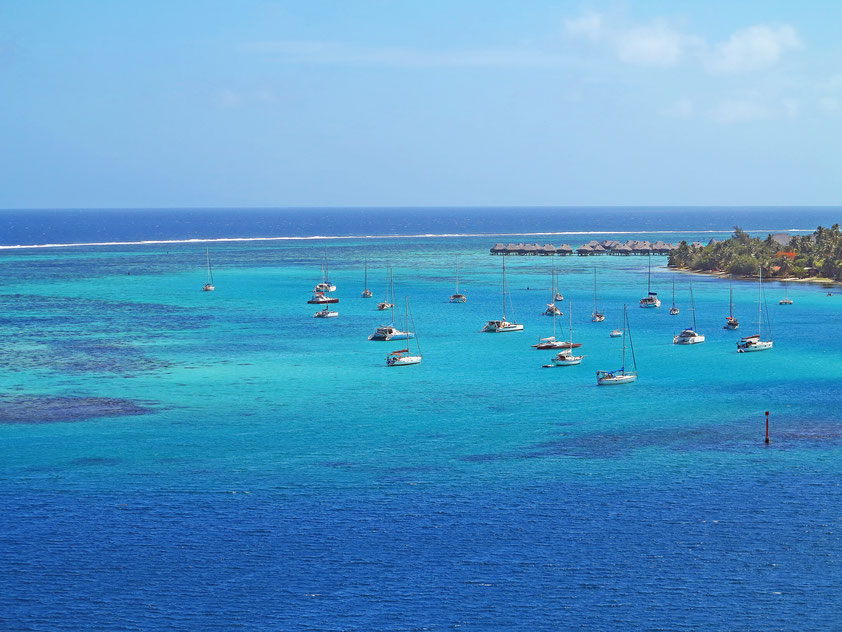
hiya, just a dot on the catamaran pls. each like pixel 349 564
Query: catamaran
pixel 731 321
pixel 689 336
pixel 320 298
pixel 389 301
pixel 366 292
pixel 391 332
pixel 552 310
pixel 208 286
pixel 785 300
pixel 325 285
pixel 457 297
pixel 673 309
pixel 402 357
pixel 501 326
pixel 566 357
pixel 651 299
pixel 597 316
pixel 551 342
pixel 620 376
pixel 754 343
pixel 325 312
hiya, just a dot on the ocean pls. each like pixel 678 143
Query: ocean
pixel 174 459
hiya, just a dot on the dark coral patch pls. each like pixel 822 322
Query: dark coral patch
pixel 45 410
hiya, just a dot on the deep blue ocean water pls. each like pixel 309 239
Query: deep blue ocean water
pixel 173 459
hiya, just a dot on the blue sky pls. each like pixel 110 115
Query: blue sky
pixel 411 103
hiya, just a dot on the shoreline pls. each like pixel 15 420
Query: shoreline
pixel 745 277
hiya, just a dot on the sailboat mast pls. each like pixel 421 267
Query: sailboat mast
pixel 504 287
pixel 570 313
pixel 730 298
pixel 760 300
pixel 392 294
pixel 649 275
pixel 625 326
pixel 210 273
pixel 692 306
pixel 594 290
pixel 457 274
pixel 366 273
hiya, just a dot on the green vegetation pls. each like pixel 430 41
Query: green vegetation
pixel 816 255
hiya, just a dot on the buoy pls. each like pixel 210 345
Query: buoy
pixel 767 426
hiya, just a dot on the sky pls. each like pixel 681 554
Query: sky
pixel 239 103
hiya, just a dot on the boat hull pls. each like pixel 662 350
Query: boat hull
pixel 458 298
pixel 367 294
pixel 403 361
pixel 208 288
pixel 749 347
pixel 688 340
pixel 568 360
pixel 326 315
pixel 597 318
pixel 615 380
pixel 323 301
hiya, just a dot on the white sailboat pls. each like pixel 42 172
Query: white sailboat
pixel 391 331
pixel 208 286
pixel 620 376
pixel 651 299
pixel 552 309
pixel 689 335
pixel 503 325
pixel 754 343
pixel 597 316
pixel 673 309
pixel 550 342
pixel 325 285
pixel 566 357
pixel 402 357
pixel 366 292
pixel 731 321
pixel 457 297
pixel 325 312
pixel 785 300
pixel 389 301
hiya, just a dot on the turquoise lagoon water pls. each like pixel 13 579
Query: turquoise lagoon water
pixel 174 459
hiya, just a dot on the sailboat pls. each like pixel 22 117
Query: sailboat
pixel 208 286
pixel 785 300
pixel 673 309
pixel 325 285
pixel 566 357
pixel 389 301
pixel 651 299
pixel 552 310
pixel 501 326
pixel 689 336
pixel 597 316
pixel 366 292
pixel 731 321
pixel 457 297
pixel 391 332
pixel 620 376
pixel 401 357
pixel 325 312
pixel 551 343
pixel 754 343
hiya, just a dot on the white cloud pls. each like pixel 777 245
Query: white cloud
pixel 752 48
pixel 661 44
pixel 309 52
pixel 588 26
pixel 657 44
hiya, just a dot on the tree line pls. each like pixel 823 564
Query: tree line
pixel 819 254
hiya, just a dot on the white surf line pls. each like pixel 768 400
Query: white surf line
pixel 152 242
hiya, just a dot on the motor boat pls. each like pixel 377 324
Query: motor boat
pixel 325 313
pixel 319 298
